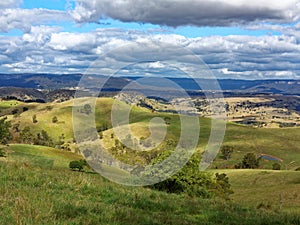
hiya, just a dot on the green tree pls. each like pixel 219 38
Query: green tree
pixel 87 109
pixel 250 161
pixel 226 152
pixel 2 154
pixel 26 136
pixel 34 119
pixel 54 119
pixel 5 135
pixel 76 165
pixel 276 166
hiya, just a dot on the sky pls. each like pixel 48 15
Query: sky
pixel 237 39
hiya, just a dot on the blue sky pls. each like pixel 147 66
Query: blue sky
pixel 187 31
pixel 240 39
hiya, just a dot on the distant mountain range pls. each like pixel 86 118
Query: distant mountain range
pixel 50 82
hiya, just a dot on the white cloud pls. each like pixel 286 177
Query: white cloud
pixel 10 3
pixel 24 19
pixel 187 12
pixel 48 49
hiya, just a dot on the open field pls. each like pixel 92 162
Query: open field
pixel 87 198
pixel 281 143
pixel 33 194
pixel 257 187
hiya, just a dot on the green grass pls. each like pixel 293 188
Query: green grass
pixel 40 155
pixel 253 187
pixel 9 104
pixel 30 194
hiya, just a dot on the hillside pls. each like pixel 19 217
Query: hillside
pixel 34 194
pixel 281 143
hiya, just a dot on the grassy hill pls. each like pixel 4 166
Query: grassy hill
pixel 34 194
pixel 263 188
pixel 280 143
pixel 87 198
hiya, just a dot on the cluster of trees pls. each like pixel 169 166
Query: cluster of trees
pixel 189 179
pixel 5 135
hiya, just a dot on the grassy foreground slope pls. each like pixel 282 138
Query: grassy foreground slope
pixel 33 194
pixel 266 188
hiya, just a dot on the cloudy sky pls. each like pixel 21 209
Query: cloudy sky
pixel 236 39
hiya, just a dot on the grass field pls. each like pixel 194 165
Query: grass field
pixel 8 104
pixel 33 194
pixel 255 187
pixel 86 198
pixel 281 143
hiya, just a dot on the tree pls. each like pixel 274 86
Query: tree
pixel 78 165
pixel 5 135
pixel 87 109
pixel 276 166
pixel 250 161
pixel 226 152
pixel 26 136
pixel 2 154
pixel 34 120
pixel 54 119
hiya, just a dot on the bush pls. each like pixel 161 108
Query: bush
pixel 226 152
pixel 2 154
pixel 5 135
pixel 54 119
pixel 250 161
pixel 276 166
pixel 193 182
pixel 78 165
pixel 34 119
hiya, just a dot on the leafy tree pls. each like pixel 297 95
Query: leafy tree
pixel 87 109
pixel 250 161
pixel 222 185
pixel 76 165
pixel 34 119
pixel 5 135
pixel 54 119
pixel 226 152
pixel 276 166
pixel 43 139
pixel 26 135
pixel 2 154
pixel 190 180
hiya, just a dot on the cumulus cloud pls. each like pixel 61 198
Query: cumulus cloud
pixel 176 13
pixel 48 49
pixel 24 19
pixel 10 3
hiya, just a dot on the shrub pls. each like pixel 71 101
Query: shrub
pixel 250 161
pixel 34 119
pixel 54 119
pixel 5 135
pixel 2 154
pixel 191 181
pixel 76 165
pixel 226 152
pixel 276 166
